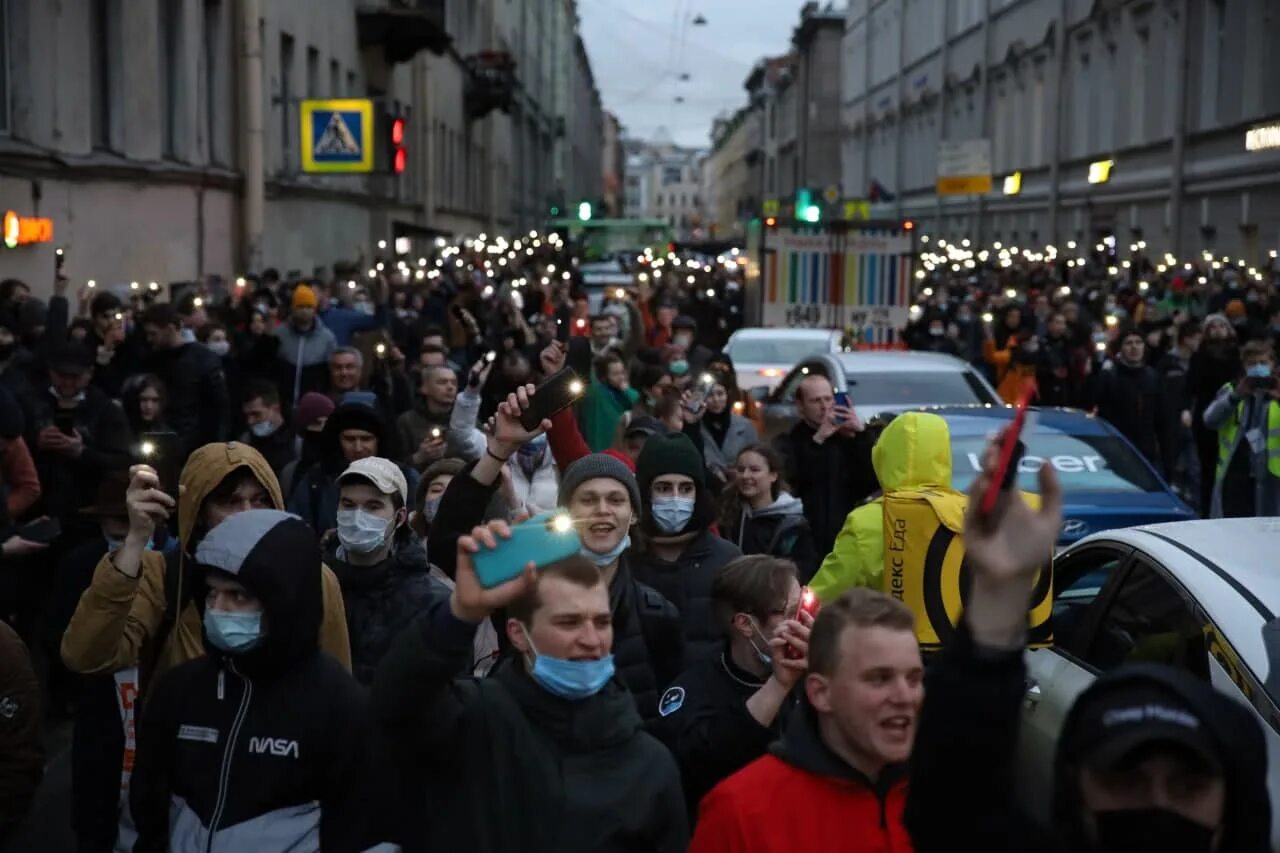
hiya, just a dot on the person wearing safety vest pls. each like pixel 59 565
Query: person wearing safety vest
pixel 913 452
pixel 1246 415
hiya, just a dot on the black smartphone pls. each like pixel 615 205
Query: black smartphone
pixel 163 452
pixel 560 391
pixel 562 330
pixel 42 530
pixel 65 423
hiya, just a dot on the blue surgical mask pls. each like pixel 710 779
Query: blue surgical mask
pixel 187 335
pixel 233 633
pixel 1258 371
pixel 569 679
pixel 116 543
pixel 679 367
pixel 263 429
pixel 609 556
pixel 430 507
pixel 361 532
pixel 672 514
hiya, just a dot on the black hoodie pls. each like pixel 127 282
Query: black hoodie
pixel 264 747
pixel 962 794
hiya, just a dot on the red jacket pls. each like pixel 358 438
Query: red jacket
pixel 802 797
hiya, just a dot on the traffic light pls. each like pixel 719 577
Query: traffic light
pixel 806 210
pixel 584 211
pixel 399 154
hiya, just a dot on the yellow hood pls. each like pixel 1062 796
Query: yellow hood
pixel 913 451
pixel 206 468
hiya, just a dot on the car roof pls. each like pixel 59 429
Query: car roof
pixel 899 361
pixel 978 419
pixel 790 334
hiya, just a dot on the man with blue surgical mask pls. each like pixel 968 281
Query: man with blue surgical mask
pixel 549 752
pixel 266 431
pixel 379 560
pixel 232 754
pixel 1246 415
pixel 681 556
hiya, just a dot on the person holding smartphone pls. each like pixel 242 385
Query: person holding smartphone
pixel 1246 415
pixel 548 752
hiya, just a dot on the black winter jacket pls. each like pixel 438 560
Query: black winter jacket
pixel 509 766
pixel 686 583
pixel 648 637
pixel 382 600
pixel 1132 400
pixel 962 794
pixel 829 478
pixel 199 408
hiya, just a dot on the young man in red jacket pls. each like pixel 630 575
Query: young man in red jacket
pixel 836 781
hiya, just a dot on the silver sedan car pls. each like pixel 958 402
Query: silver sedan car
pixel 761 357
pixel 1199 595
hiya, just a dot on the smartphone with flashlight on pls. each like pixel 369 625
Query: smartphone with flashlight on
pixel 544 539
pixel 808 604
pixel 163 452
pixel 560 391
pixel 1012 448
pixel 698 400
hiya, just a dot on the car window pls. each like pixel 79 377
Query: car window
pixel 1078 581
pixel 1150 620
pixel 1083 463
pixel 758 350
pixel 908 388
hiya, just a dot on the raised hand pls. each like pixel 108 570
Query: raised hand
pixel 146 504
pixel 508 433
pixel 470 601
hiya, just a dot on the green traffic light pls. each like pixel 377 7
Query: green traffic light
pixel 584 211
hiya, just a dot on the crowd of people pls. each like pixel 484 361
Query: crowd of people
pixel 1180 358
pixel 240 537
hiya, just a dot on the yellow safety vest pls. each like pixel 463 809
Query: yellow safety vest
pixel 1227 438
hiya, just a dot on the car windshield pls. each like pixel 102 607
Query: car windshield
pixel 923 388
pixel 771 350
pixel 1084 463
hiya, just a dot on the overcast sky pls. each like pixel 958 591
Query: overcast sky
pixel 639 50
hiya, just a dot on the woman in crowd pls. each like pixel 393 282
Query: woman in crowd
pixel 760 516
pixel 144 398
pixel 724 434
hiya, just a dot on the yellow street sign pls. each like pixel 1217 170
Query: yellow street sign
pixel 964 185
pixel 856 209
pixel 337 136
pixel 771 207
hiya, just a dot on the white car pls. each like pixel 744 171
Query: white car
pixel 761 357
pixel 1201 595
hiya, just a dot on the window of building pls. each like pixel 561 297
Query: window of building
pixel 335 79
pixel 671 175
pixel 212 75
pixel 102 61
pixel 4 66
pixel 169 16
pixel 1137 85
pixel 351 85
pixel 286 101
pixel 313 73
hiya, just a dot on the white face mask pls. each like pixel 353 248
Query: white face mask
pixel 219 348
pixel 361 532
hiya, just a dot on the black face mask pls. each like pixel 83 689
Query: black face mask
pixel 1151 831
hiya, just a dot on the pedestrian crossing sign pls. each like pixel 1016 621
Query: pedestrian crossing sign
pixel 337 136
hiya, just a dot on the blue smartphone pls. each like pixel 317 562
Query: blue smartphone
pixel 546 538
pixel 842 399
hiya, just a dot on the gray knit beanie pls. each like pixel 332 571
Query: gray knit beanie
pixel 598 465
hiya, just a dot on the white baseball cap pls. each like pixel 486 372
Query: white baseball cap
pixel 383 473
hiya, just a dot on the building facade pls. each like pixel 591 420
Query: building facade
pixel 613 165
pixel 162 137
pixel 1105 118
pixel 665 181
pixel 732 184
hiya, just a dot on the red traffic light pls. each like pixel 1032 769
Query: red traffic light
pixel 770 221
pixel 908 226
pixel 397 131
pixel 401 160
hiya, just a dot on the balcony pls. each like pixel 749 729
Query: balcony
pixel 402 27
pixel 491 84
